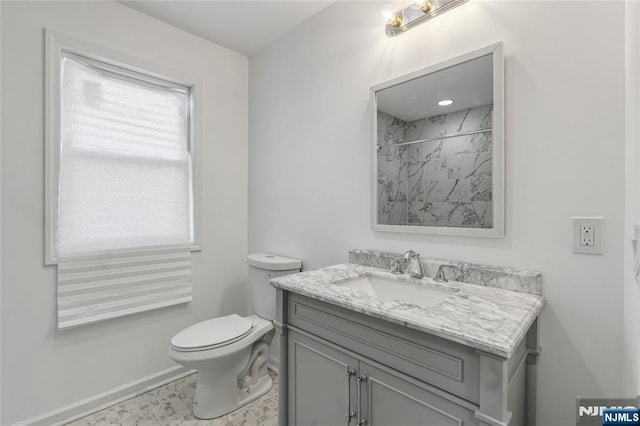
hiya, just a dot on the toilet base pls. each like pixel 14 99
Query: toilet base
pixel 257 390
pixel 213 399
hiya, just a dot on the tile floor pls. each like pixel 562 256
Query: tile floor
pixel 170 405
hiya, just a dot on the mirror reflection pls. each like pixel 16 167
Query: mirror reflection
pixel 434 148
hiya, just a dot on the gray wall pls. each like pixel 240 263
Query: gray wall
pixel 43 369
pixel 309 160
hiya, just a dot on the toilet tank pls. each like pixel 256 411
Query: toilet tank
pixel 263 267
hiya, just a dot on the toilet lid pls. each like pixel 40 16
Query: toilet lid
pixel 212 333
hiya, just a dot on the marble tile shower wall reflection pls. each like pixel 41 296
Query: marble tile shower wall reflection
pixel 392 170
pixel 445 182
pixel 450 179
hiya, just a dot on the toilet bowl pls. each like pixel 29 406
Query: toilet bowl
pixel 231 352
pixel 232 370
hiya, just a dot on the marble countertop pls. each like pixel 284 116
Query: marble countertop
pixel 486 318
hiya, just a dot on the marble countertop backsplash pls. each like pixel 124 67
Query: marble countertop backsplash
pixel 487 318
pixel 472 273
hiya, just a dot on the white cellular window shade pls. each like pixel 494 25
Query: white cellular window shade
pixel 93 288
pixel 125 209
pixel 124 163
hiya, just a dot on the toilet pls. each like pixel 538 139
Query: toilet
pixel 231 352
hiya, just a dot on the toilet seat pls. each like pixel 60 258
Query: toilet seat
pixel 211 334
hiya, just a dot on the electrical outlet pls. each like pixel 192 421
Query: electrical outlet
pixel 588 235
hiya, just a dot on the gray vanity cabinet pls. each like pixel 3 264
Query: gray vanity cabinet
pixel 327 381
pixel 339 367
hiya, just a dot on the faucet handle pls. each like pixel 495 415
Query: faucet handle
pixel 397 267
pixel 440 276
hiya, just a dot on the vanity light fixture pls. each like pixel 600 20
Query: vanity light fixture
pixel 392 18
pixel 416 13
pixel 445 102
pixel 424 5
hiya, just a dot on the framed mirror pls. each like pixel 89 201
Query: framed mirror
pixel 438 148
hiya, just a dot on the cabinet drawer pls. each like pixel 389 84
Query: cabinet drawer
pixel 447 365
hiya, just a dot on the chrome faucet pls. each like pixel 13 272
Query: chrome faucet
pixel 412 263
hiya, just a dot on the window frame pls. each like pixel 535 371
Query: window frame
pixel 56 46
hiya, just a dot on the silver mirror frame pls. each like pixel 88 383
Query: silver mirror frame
pixel 498 171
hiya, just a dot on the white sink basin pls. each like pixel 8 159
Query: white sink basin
pixel 416 294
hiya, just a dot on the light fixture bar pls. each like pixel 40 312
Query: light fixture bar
pixel 412 16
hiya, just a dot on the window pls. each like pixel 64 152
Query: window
pixel 120 184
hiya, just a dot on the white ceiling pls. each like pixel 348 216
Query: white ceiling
pixel 469 84
pixel 246 26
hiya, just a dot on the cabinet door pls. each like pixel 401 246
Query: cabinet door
pixel 318 383
pixel 391 398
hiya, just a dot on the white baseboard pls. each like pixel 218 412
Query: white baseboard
pixel 106 399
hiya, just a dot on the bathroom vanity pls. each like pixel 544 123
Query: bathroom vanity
pixel 352 354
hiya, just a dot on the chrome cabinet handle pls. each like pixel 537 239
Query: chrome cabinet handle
pixel 350 413
pixel 361 379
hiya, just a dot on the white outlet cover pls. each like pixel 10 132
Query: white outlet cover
pixel 598 234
